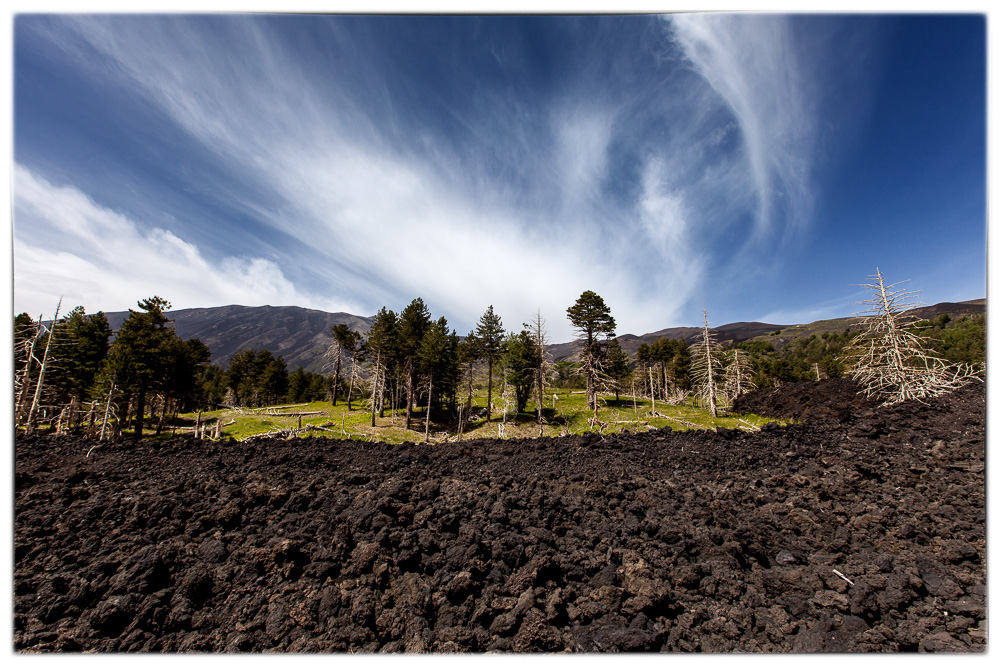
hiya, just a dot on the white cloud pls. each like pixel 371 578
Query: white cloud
pixel 372 198
pixel 581 155
pixel 66 244
pixel 753 64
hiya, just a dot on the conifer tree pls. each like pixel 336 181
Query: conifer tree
pixel 594 325
pixel 381 344
pixel 521 360
pixel 489 344
pixel 541 341
pixel 414 322
pixel 345 341
pixel 739 375
pixel 435 358
pixel 619 368
pixel 140 353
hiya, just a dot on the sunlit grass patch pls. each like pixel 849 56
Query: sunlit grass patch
pixel 564 412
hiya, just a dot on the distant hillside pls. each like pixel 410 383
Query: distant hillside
pixel 630 342
pixel 788 334
pixel 302 336
pixel 299 335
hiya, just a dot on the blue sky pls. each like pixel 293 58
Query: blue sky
pixel 758 165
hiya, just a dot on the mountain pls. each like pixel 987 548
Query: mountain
pixel 630 342
pixel 793 332
pixel 300 335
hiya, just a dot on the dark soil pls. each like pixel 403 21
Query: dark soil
pixel 861 534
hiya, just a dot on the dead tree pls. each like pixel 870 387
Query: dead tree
pixel 24 381
pixel 890 361
pixel 705 365
pixel 541 340
pixel 739 376
pixel 378 386
pixel 40 384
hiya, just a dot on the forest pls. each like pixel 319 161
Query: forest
pixel 74 373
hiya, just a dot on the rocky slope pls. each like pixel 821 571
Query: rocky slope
pixel 300 335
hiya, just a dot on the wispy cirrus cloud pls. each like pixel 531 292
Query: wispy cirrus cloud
pixel 753 62
pixel 343 178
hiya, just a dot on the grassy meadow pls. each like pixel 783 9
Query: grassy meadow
pixel 564 412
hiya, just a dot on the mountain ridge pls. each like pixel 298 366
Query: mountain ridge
pixel 302 336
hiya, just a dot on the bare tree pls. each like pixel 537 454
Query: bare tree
pixel 890 361
pixel 739 376
pixel 40 384
pixel 541 341
pixel 23 379
pixel 705 365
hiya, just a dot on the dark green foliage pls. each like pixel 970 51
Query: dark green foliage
pixel 670 359
pixel 210 381
pixel 140 357
pixel 487 342
pixel 521 359
pixel 414 322
pixel 567 376
pixel 346 342
pixel 799 360
pixel 957 341
pixel 595 327
pixel 77 354
pixel 257 378
pixel 181 381
pixel 438 361
pixel 618 367
pixel 306 387
pixel 382 345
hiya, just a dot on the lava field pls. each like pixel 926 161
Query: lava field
pixel 853 528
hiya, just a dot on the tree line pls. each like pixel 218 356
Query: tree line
pixel 75 371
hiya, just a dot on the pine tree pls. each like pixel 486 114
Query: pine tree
pixel 489 344
pixel 345 341
pixel 541 341
pixel 139 356
pixel 521 360
pixel 382 345
pixel 592 320
pixel 414 322
pixel 619 367
pixel 435 358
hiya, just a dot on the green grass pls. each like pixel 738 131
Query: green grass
pixel 569 416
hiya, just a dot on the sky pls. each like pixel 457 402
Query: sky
pixel 755 166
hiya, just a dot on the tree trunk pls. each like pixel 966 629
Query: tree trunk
pixel 22 399
pixel 140 411
pixel 409 393
pixel 350 387
pixel 489 390
pixel 107 409
pixel 336 379
pixel 41 373
pixel 541 396
pixel 652 391
pixel 163 416
pixel 427 418
pixel 375 386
